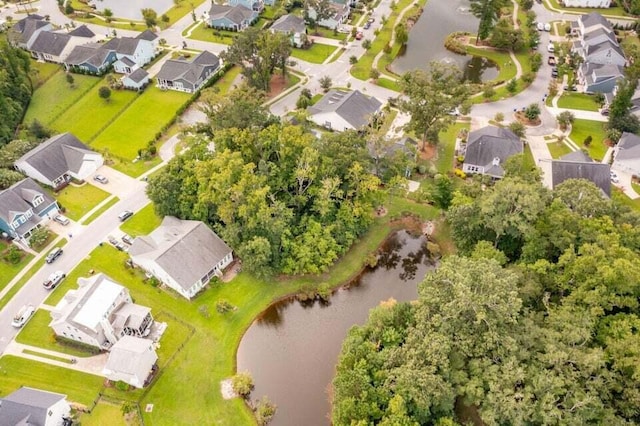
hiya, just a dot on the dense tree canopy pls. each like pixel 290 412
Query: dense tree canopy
pixel 488 13
pixel 15 89
pixel 551 337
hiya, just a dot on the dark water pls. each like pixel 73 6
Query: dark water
pixel 292 350
pixel 426 41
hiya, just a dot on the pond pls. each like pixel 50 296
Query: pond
pixel 131 9
pixel 426 41
pixel 292 349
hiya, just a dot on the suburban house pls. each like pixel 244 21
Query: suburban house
pixel 406 147
pixel 626 154
pixel 131 53
pixel 576 165
pixel 91 58
pixel 137 80
pixel 599 78
pixel 131 360
pixel 488 148
pixel 293 26
pixel 188 76
pixel 152 37
pixel 25 31
pixel 344 110
pixel 34 407
pixel 232 18
pixel 55 46
pixel 58 160
pixel 25 206
pixel 99 313
pixel 587 3
pixel 256 5
pixel 590 22
pixel 340 15
pixel 183 254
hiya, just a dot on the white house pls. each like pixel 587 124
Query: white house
pixel 131 360
pixel 137 80
pixel 488 148
pixel 183 254
pixel 344 110
pixel 34 407
pixel 339 16
pixel 99 313
pixel 587 3
pixel 590 22
pixel 293 26
pixel 131 53
pixel 58 160
pixel 626 154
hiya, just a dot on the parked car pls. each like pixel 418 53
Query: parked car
pixel 117 244
pixel 371 20
pixel 127 239
pixel 604 112
pixel 101 179
pixel 359 35
pixel 53 280
pixel 614 177
pixel 53 255
pixel 367 26
pixel 23 316
pixel 547 27
pixel 550 48
pixel 540 26
pixel 551 60
pixel 554 72
pixel 125 215
pixel 344 30
pixel 62 220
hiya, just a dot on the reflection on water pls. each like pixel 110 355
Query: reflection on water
pixel 292 349
pixel 426 41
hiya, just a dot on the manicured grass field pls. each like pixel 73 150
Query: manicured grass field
pixel 79 200
pixel 204 33
pixel 613 11
pixel 8 270
pixel 558 149
pixel 181 9
pixel 56 96
pixel 101 210
pixel 91 105
pixel 621 197
pixel 326 33
pixel 37 333
pixel 132 169
pixel 104 413
pixel 583 128
pixel 42 71
pixel 79 387
pixel 316 54
pixel 139 123
pixel 224 84
pixel 573 100
pixel 142 222
pixel 447 146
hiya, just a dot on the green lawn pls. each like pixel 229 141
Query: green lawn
pixel 75 119
pixel 55 96
pixel 139 123
pixel 37 333
pixel 613 11
pixel 446 147
pixel 316 54
pixel 224 83
pixel 79 200
pixel 8 270
pixel 181 9
pixel 204 33
pixel 26 277
pixel 326 33
pixel 573 100
pixel 79 387
pixel 143 222
pixel 621 197
pixel 104 413
pixel 121 25
pixel 101 210
pixel 42 71
pixel 558 149
pixel 583 128
pixel 132 169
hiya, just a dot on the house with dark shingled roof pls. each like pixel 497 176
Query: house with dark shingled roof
pixel 188 75
pixel 488 148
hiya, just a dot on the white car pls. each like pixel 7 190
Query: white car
pixel 550 48
pixel 540 26
pixel 614 177
pixel 99 178
pixel 547 27
pixel 53 280
pixel 23 316
pixel 62 220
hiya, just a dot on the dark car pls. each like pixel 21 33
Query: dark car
pixel 367 26
pixel 554 72
pixel 53 255
pixel 125 215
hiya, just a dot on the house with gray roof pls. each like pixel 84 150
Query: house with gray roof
pixel 488 148
pixel 576 165
pixel 24 32
pixel 183 254
pixel 58 160
pixel 344 110
pixel 99 313
pixel 292 26
pixel 34 407
pixel 232 18
pixel 131 53
pixel 590 22
pixel 91 58
pixel 188 75
pixel 137 80
pixel 597 78
pixel 341 11
pixel 626 154
pixel 256 5
pixel 131 360
pixel 25 206
pixel 55 46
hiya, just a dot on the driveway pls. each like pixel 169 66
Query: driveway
pixel 119 184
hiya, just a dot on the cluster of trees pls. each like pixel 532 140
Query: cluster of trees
pixel 285 200
pixel 15 89
pixel 8 155
pixel 535 321
pixel 631 6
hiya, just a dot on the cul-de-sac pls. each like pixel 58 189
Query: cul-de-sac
pixel 319 212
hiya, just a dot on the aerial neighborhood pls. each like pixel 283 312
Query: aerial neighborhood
pixel 314 212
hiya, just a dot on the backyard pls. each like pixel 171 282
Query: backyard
pixel 573 100
pixel 580 129
pixel 79 200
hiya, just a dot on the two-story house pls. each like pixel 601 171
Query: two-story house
pixel 99 313
pixel 183 254
pixel 34 407
pixel 340 15
pixel 131 53
pixel 55 46
pixel 24 207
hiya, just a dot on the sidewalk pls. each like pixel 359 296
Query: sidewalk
pixel 90 365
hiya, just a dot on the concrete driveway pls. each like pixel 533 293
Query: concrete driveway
pixel 119 184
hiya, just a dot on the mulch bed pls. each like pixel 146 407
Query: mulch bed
pixel 524 120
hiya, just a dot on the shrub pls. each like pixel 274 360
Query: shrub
pixel 460 173
pixel 499 117
pixel 387 48
pixel 265 410
pixel 242 384
pixel 324 291
pixel 122 386
pixel 38 237
pixel 512 85
pixel 374 74
pixel 223 306
pixel 12 255
pixel 532 112
pixel 488 92
pixel 587 141
pixel 536 61
pixel 366 44
pixel 517 128
pixel 528 77
pixel 353 59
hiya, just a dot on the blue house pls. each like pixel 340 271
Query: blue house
pixel 232 18
pixel 92 58
pixel 24 207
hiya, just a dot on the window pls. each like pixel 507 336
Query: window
pixel 38 200
pixel 50 413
